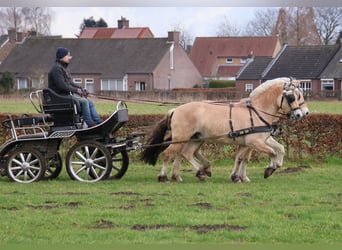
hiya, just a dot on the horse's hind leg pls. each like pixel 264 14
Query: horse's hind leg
pixel 175 170
pixel 243 165
pixel 206 164
pixel 235 174
pixel 171 151
pixel 188 152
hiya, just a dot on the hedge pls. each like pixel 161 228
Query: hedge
pixel 316 136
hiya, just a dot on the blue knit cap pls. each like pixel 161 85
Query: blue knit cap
pixel 61 52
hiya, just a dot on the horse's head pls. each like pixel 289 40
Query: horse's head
pixel 292 101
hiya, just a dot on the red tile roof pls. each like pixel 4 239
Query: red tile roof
pixel 206 50
pixel 228 70
pixel 139 32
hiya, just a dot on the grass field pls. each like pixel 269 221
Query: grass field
pixel 107 107
pixel 303 206
pixel 297 206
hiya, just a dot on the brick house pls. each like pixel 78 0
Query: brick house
pixel 106 64
pixel 8 42
pixel 222 57
pixel 317 66
pixel 122 31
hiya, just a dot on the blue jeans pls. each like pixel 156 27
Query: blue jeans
pixel 89 113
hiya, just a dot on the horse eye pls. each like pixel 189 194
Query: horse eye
pixel 299 97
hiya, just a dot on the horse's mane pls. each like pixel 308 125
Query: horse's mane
pixel 266 85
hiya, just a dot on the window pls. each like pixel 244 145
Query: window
pixel 243 60
pixel 37 83
pixel 327 84
pixel 306 87
pixel 89 85
pixel 22 83
pixel 112 84
pixel 249 87
pixel 77 81
pixel 229 60
pixel 139 86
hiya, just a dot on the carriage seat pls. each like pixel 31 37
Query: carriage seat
pixel 63 110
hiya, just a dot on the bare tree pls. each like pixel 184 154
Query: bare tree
pixel 263 22
pixel 186 37
pixel 328 20
pixel 296 26
pixel 228 28
pixel 25 19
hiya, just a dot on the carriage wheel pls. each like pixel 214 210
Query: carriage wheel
pixel 88 161
pixel 120 163
pixel 26 165
pixel 54 167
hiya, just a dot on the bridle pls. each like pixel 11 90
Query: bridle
pixel 290 97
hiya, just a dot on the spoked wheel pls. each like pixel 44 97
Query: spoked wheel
pixel 120 163
pixel 88 161
pixel 53 167
pixel 26 165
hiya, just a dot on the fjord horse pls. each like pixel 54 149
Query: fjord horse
pixel 247 123
pixel 239 172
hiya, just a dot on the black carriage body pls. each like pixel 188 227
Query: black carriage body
pixel 40 137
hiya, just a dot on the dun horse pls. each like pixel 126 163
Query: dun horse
pixel 248 123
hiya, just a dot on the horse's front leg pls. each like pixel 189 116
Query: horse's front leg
pixel 276 161
pixel 260 145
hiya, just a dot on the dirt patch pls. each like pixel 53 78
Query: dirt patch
pixel 52 204
pixel 247 194
pixel 205 228
pixel 125 193
pixel 206 205
pixel 103 224
pixel 9 208
pixel 293 170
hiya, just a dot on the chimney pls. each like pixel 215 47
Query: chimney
pixel 12 35
pixel 173 36
pixel 123 23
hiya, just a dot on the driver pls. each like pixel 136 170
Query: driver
pixel 61 82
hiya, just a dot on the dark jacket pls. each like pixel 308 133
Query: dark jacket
pixel 60 79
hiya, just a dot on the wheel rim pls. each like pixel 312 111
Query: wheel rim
pixel 88 162
pixel 25 166
pixel 119 164
pixel 54 167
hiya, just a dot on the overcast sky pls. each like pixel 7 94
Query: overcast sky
pixel 199 21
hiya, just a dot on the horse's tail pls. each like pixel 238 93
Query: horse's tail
pixel 156 142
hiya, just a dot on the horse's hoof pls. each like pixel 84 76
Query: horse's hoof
pixel 207 172
pixel 201 175
pixel 235 178
pixel 163 178
pixel 245 179
pixel 176 178
pixel 268 172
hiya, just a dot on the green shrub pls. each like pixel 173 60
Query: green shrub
pixel 221 83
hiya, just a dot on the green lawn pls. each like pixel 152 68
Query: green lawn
pixel 107 107
pixel 302 207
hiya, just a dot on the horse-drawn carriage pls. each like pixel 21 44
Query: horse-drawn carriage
pixel 33 152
